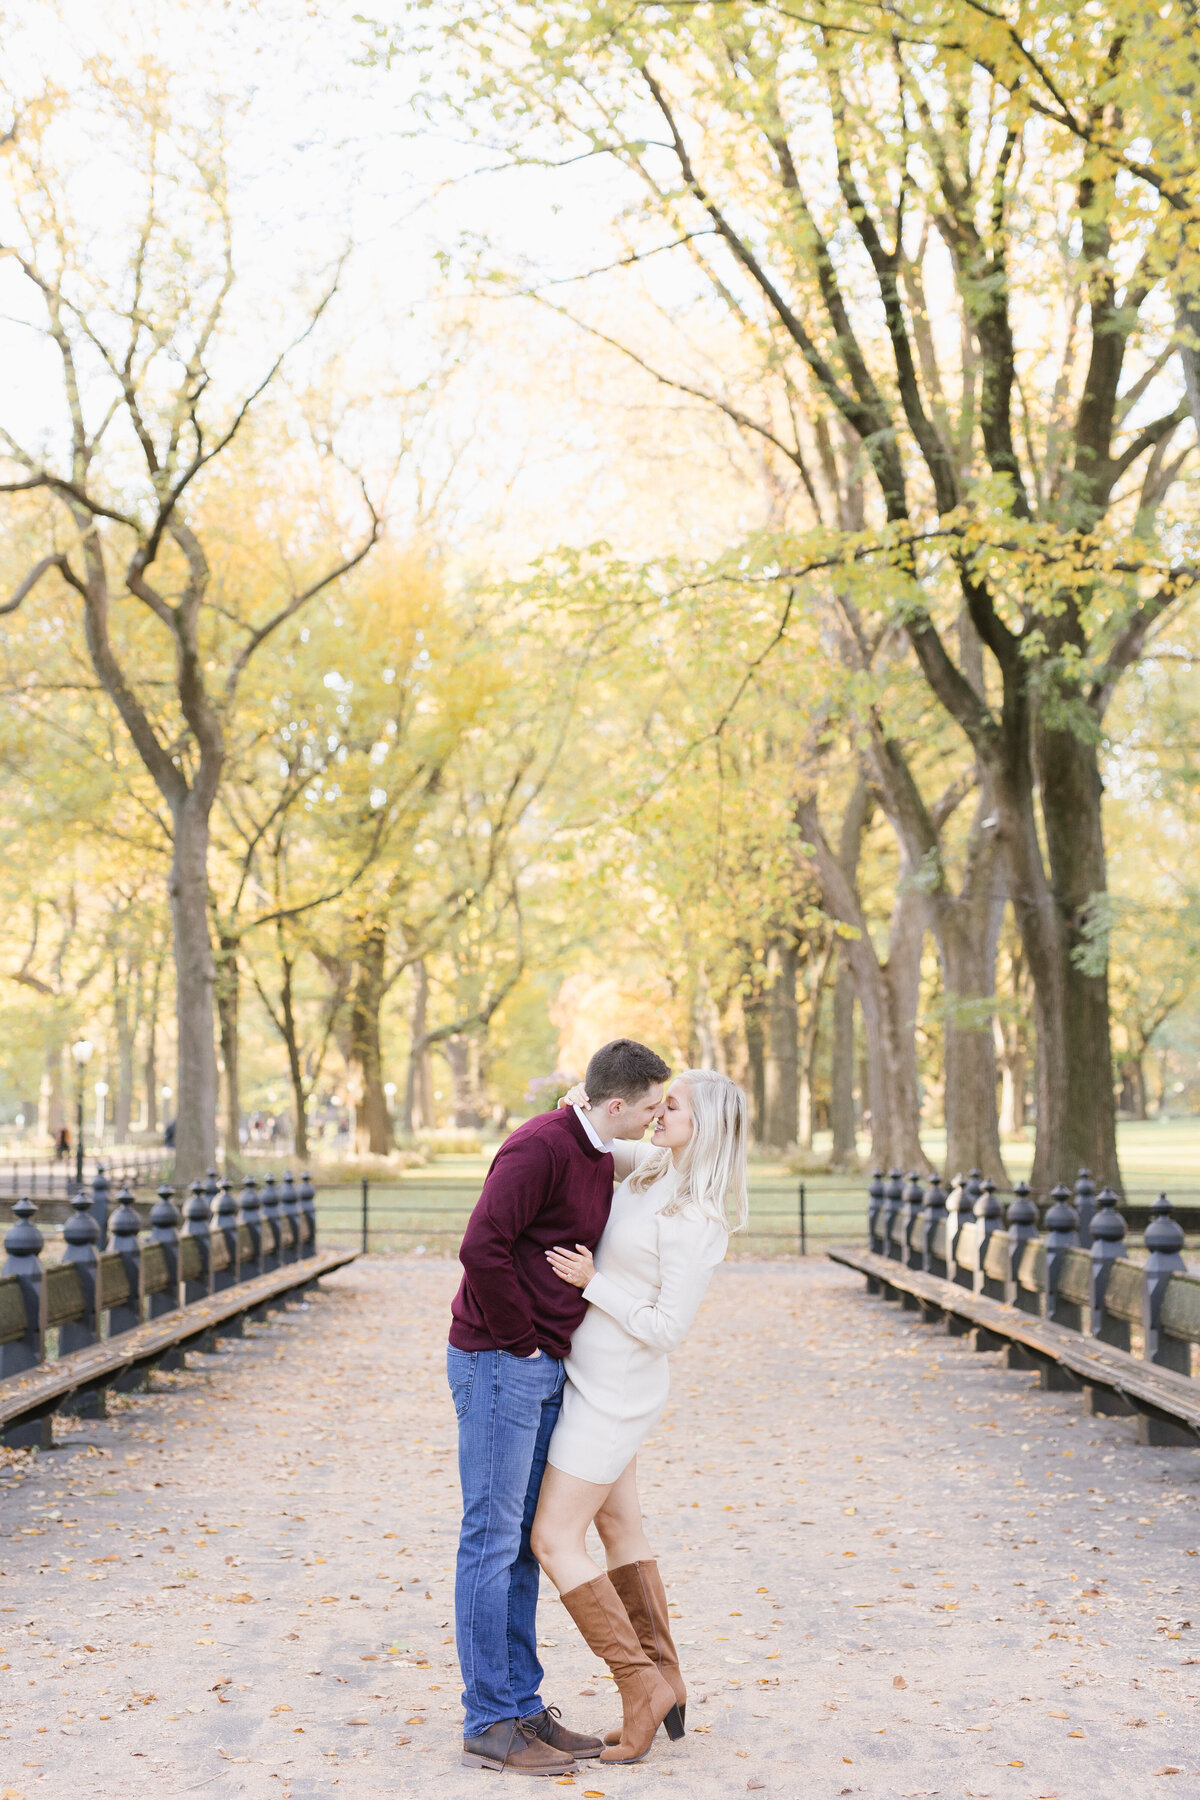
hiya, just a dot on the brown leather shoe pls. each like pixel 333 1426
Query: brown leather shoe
pixel 549 1727
pixel 644 1598
pixel 514 1745
pixel 646 1698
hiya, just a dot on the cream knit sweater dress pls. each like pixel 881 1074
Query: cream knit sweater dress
pixel 651 1274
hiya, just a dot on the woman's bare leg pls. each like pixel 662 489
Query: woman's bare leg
pixel 619 1522
pixel 566 1507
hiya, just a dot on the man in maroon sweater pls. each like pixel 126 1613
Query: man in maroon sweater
pixel 551 1183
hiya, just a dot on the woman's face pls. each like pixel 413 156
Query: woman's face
pixel 674 1126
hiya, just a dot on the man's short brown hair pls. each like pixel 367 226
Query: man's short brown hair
pixel 623 1070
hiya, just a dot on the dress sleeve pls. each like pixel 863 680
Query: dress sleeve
pixel 627 1153
pixel 689 1249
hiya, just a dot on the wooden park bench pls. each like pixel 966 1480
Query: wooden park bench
pixel 237 1257
pixel 1067 1310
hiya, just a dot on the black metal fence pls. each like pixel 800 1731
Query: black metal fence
pixel 1070 1265
pixel 47 1177
pixel 431 1213
pixel 96 1292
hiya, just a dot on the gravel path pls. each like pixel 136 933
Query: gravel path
pixel 899 1570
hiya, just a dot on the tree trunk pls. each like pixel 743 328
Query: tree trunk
pixel 843 1122
pixel 967 931
pixel 124 1022
pixel 887 994
pixel 972 1121
pixel 458 1055
pixel 195 978
pixel 1012 1091
pixel 374 1124
pixel 753 1011
pixel 418 1088
pixel 51 1112
pixel 782 1081
pixel 287 1011
pixel 1010 1036
pixel 902 989
pixel 1076 1107
pixel 844 1154
pixel 229 996
pixel 706 1026
pixel 150 1060
pixel 1133 1087
pixel 291 1041
pixel 810 1041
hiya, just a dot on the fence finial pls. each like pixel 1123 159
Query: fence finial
pixel 100 1204
pixel 874 1210
pixel 272 1233
pixel 1061 1236
pixel 252 1220
pixel 23 1243
pixel 164 1230
pixel 1163 1239
pixel 197 1227
pixel 1107 1247
pixel 893 1201
pixel 125 1225
pixel 933 1214
pixel 914 1200
pixel 1085 1206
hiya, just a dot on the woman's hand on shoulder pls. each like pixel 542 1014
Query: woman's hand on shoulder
pixel 575 1266
pixel 576 1096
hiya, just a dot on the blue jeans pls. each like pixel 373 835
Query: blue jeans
pixel 507 1408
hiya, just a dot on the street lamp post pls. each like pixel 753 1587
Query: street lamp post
pixel 80 1051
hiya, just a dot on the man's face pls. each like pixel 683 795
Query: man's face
pixel 628 1118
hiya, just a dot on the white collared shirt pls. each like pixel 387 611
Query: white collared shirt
pixel 593 1135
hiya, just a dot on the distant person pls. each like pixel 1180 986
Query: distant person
pixel 62 1144
pixel 551 1182
pixel 169 1134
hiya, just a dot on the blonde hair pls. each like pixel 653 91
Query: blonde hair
pixel 711 1172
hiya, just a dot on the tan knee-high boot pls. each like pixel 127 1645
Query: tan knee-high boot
pixel 644 1598
pixel 646 1698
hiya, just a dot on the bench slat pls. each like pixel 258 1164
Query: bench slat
pixel 1095 1363
pixel 41 1387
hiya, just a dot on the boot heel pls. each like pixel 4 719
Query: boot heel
pixel 674 1722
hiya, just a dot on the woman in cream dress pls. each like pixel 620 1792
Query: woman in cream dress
pixel 668 1229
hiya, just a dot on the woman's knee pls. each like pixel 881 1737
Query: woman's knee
pixel 543 1539
pixel 617 1519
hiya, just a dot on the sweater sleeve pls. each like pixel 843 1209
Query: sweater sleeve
pixel 516 1189
pixel 689 1249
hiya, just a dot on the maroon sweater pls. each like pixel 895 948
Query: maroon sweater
pixel 547 1185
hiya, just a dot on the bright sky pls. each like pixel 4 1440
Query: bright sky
pixel 325 152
